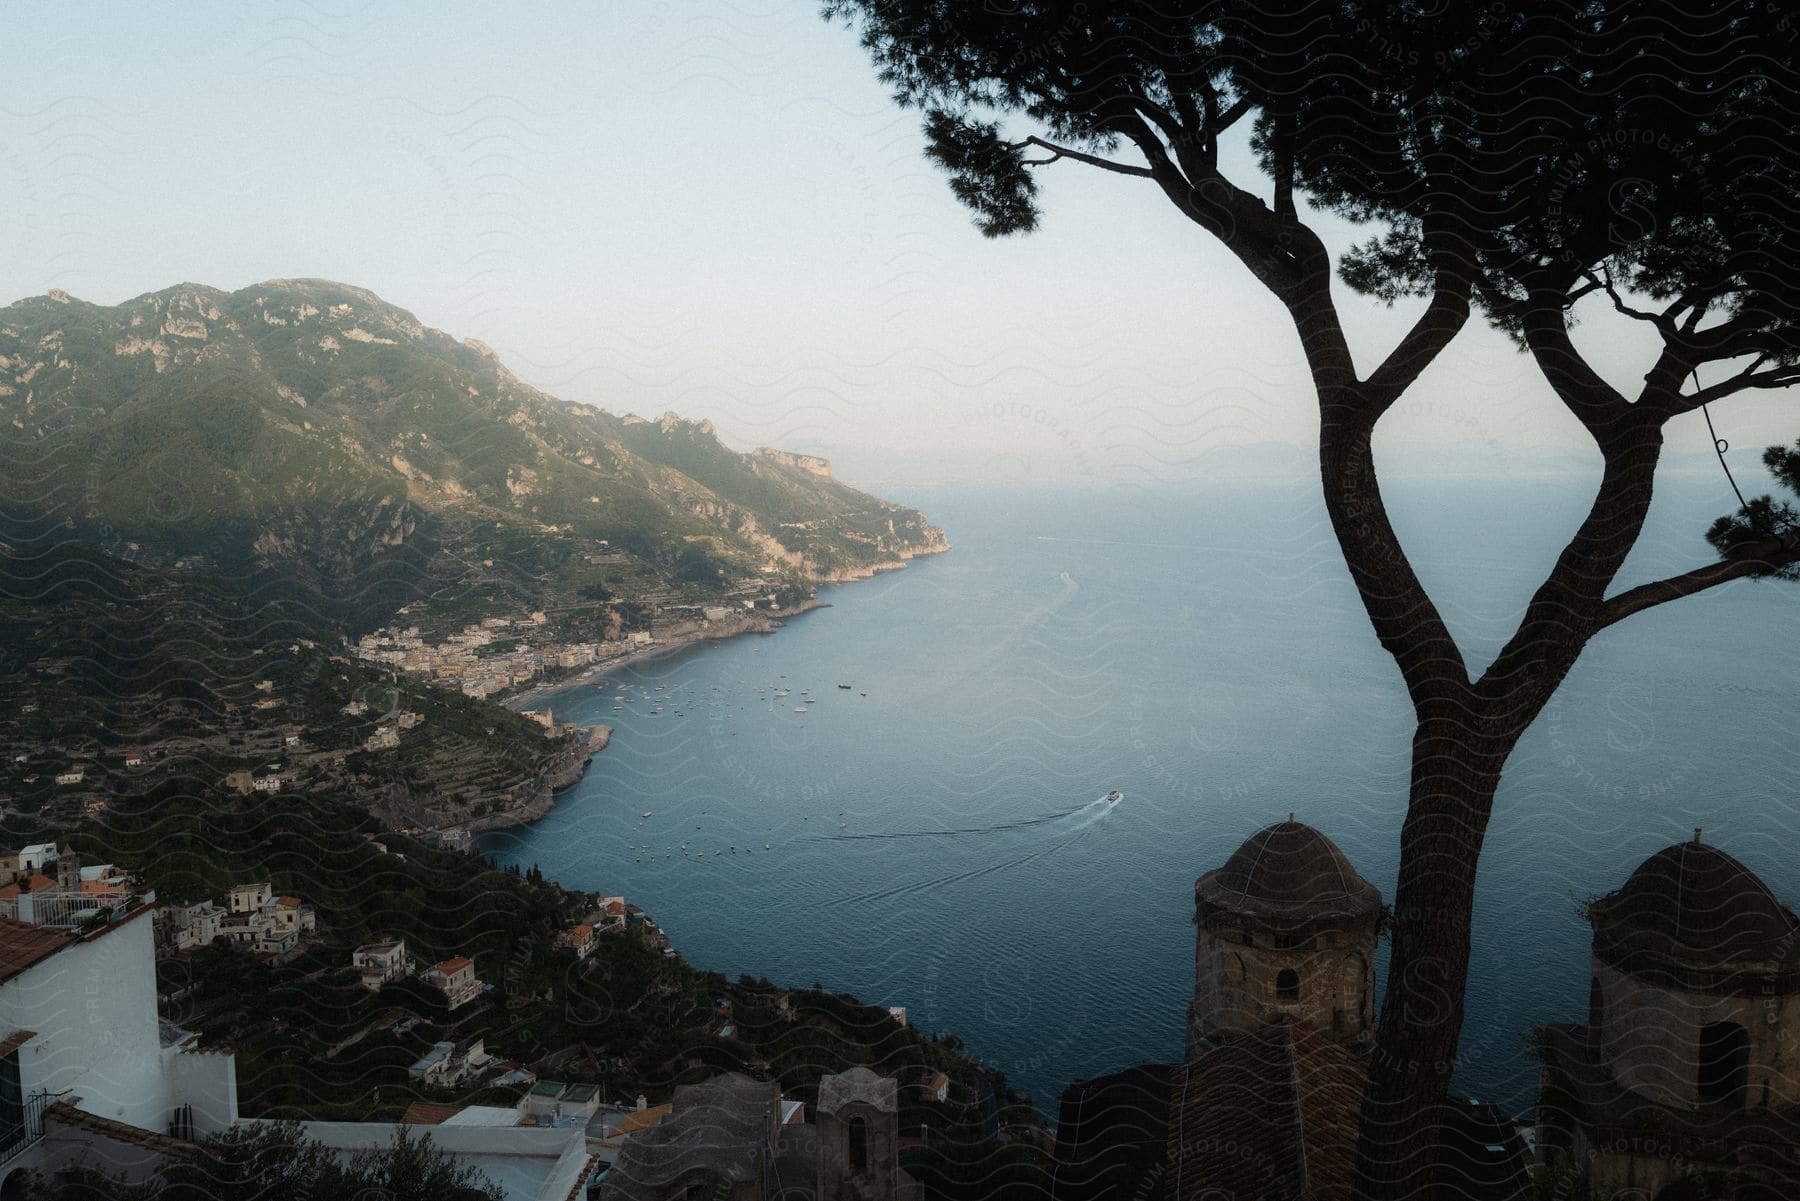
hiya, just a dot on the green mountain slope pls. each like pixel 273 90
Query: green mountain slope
pixel 306 437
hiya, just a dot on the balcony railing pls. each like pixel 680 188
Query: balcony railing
pixel 22 1124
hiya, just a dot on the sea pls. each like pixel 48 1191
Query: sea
pixel 901 796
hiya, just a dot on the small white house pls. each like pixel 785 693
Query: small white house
pixel 382 962
pixel 34 857
pixel 248 898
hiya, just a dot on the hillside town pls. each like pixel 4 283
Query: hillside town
pixel 498 655
pixel 107 1083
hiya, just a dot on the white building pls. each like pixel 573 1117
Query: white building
pixel 33 857
pixel 79 1029
pixel 382 962
pixel 193 925
pixel 294 916
pixel 103 1085
pixel 248 898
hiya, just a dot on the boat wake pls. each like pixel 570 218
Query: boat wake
pixel 1080 817
pixel 1075 825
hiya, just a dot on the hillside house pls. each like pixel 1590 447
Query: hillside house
pixel 293 916
pixel 455 978
pixel 382 962
pixel 449 1064
pixel 266 784
pixel 189 926
pixel 248 898
pixel 34 857
pixel 246 929
pixel 578 938
pixel 71 777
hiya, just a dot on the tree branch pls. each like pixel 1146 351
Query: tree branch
pixel 1763 557
pixel 1661 321
pixel 1441 321
pixel 1080 156
pixel 1593 401
pixel 1749 377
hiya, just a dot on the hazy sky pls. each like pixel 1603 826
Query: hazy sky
pixel 709 208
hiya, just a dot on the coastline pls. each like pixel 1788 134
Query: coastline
pixel 678 637
pixel 565 772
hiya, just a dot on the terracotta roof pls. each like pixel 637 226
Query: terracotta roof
pixel 15 1040
pixel 1700 903
pixel 716 1128
pixel 39 883
pixel 64 1114
pixel 450 966
pixel 288 902
pixel 423 1113
pixel 1288 869
pixel 581 930
pixel 23 944
pixel 577 1189
pixel 641 1119
pixel 1271 1115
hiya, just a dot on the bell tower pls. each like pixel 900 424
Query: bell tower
pixel 859 1137
pixel 1285 931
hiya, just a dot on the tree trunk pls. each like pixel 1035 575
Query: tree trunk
pixel 1465 734
pixel 1455 770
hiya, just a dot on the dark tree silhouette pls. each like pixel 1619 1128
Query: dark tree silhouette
pixel 1511 160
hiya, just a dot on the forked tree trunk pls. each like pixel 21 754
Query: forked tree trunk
pixel 1455 770
pixel 1465 734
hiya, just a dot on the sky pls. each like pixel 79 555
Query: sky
pixel 716 210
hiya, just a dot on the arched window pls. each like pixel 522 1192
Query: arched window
pixel 1287 985
pixel 1724 1062
pixel 859 1145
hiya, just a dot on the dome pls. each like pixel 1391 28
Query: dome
pixel 1288 870
pixel 1699 903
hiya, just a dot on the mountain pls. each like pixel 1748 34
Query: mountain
pixel 311 441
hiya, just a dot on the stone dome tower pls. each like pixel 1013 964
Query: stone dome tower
pixel 1695 994
pixel 1285 931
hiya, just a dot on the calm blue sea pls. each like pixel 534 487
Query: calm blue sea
pixel 929 836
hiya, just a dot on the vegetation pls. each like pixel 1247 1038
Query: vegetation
pixel 200 679
pixel 1625 174
pixel 315 442
pixel 276 1162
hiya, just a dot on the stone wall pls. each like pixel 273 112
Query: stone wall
pixel 1650 1034
pixel 1238 966
pixel 839 1177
